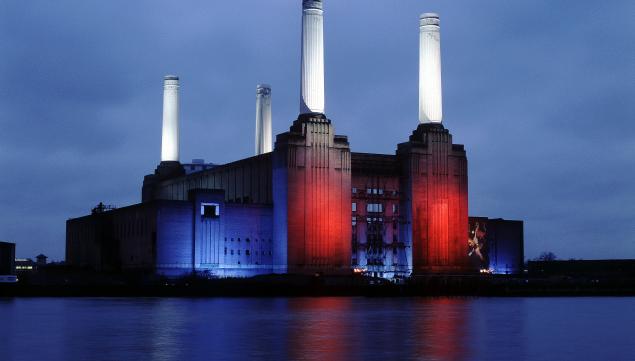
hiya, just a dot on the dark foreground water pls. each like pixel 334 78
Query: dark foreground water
pixel 317 329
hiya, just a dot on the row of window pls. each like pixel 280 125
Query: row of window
pixel 247 252
pixel 248 240
pixel 374 191
pixel 374 207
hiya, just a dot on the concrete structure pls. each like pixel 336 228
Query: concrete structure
pixel 430 94
pixel 496 245
pixel 170 138
pixel 312 74
pixel 263 119
pixel 7 258
pixel 309 206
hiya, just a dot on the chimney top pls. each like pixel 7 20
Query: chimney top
pixel 429 19
pixel 312 4
pixel 171 77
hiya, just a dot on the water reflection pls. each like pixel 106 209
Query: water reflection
pixel 321 329
pixel 314 329
pixel 440 329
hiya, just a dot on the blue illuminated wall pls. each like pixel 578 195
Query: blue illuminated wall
pixel 501 245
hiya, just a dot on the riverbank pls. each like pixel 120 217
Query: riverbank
pixel 316 286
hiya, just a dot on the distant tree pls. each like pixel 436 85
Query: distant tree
pixel 547 256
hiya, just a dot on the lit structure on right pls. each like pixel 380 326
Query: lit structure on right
pixel 433 173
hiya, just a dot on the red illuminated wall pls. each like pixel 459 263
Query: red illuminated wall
pixel 434 203
pixel 314 166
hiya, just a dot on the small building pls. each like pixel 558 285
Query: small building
pixel 25 265
pixel 496 245
pixel 41 260
pixel 7 258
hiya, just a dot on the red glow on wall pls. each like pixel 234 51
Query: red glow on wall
pixel 435 174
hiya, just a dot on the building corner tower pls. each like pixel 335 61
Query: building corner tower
pixel 170 165
pixel 433 172
pixel 312 173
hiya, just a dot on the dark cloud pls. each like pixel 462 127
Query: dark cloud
pixel 539 92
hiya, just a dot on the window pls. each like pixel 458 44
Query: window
pixel 380 191
pixel 394 208
pixel 354 190
pixel 374 207
pixel 225 250
pixel 247 252
pixel 354 221
pixel 210 210
pixel 369 191
pixel 354 208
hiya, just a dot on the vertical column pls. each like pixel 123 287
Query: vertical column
pixel 170 137
pixel 430 99
pixel 312 86
pixel 263 119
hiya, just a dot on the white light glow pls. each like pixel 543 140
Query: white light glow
pixel 430 94
pixel 312 86
pixel 170 136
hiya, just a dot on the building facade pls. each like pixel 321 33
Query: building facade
pixel 309 205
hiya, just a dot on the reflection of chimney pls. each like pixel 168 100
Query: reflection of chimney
pixel 263 119
pixel 170 138
pixel 312 86
pixel 430 107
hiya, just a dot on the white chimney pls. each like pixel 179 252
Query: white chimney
pixel 170 138
pixel 430 100
pixel 263 119
pixel 312 87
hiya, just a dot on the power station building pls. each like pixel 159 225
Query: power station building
pixel 305 204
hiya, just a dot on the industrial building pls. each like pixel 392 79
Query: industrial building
pixel 7 258
pixel 305 204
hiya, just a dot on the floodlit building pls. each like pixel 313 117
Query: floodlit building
pixel 306 204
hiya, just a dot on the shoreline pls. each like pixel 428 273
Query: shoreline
pixel 330 286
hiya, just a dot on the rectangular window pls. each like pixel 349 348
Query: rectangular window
pixel 210 210
pixel 354 221
pixel 354 190
pixel 394 208
pixel 374 207
pixel 354 208
pixel 369 191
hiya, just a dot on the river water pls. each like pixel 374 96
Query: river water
pixel 317 329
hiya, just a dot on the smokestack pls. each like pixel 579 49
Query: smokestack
pixel 430 104
pixel 170 138
pixel 312 87
pixel 263 119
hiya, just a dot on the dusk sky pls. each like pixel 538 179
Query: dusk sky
pixel 541 93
